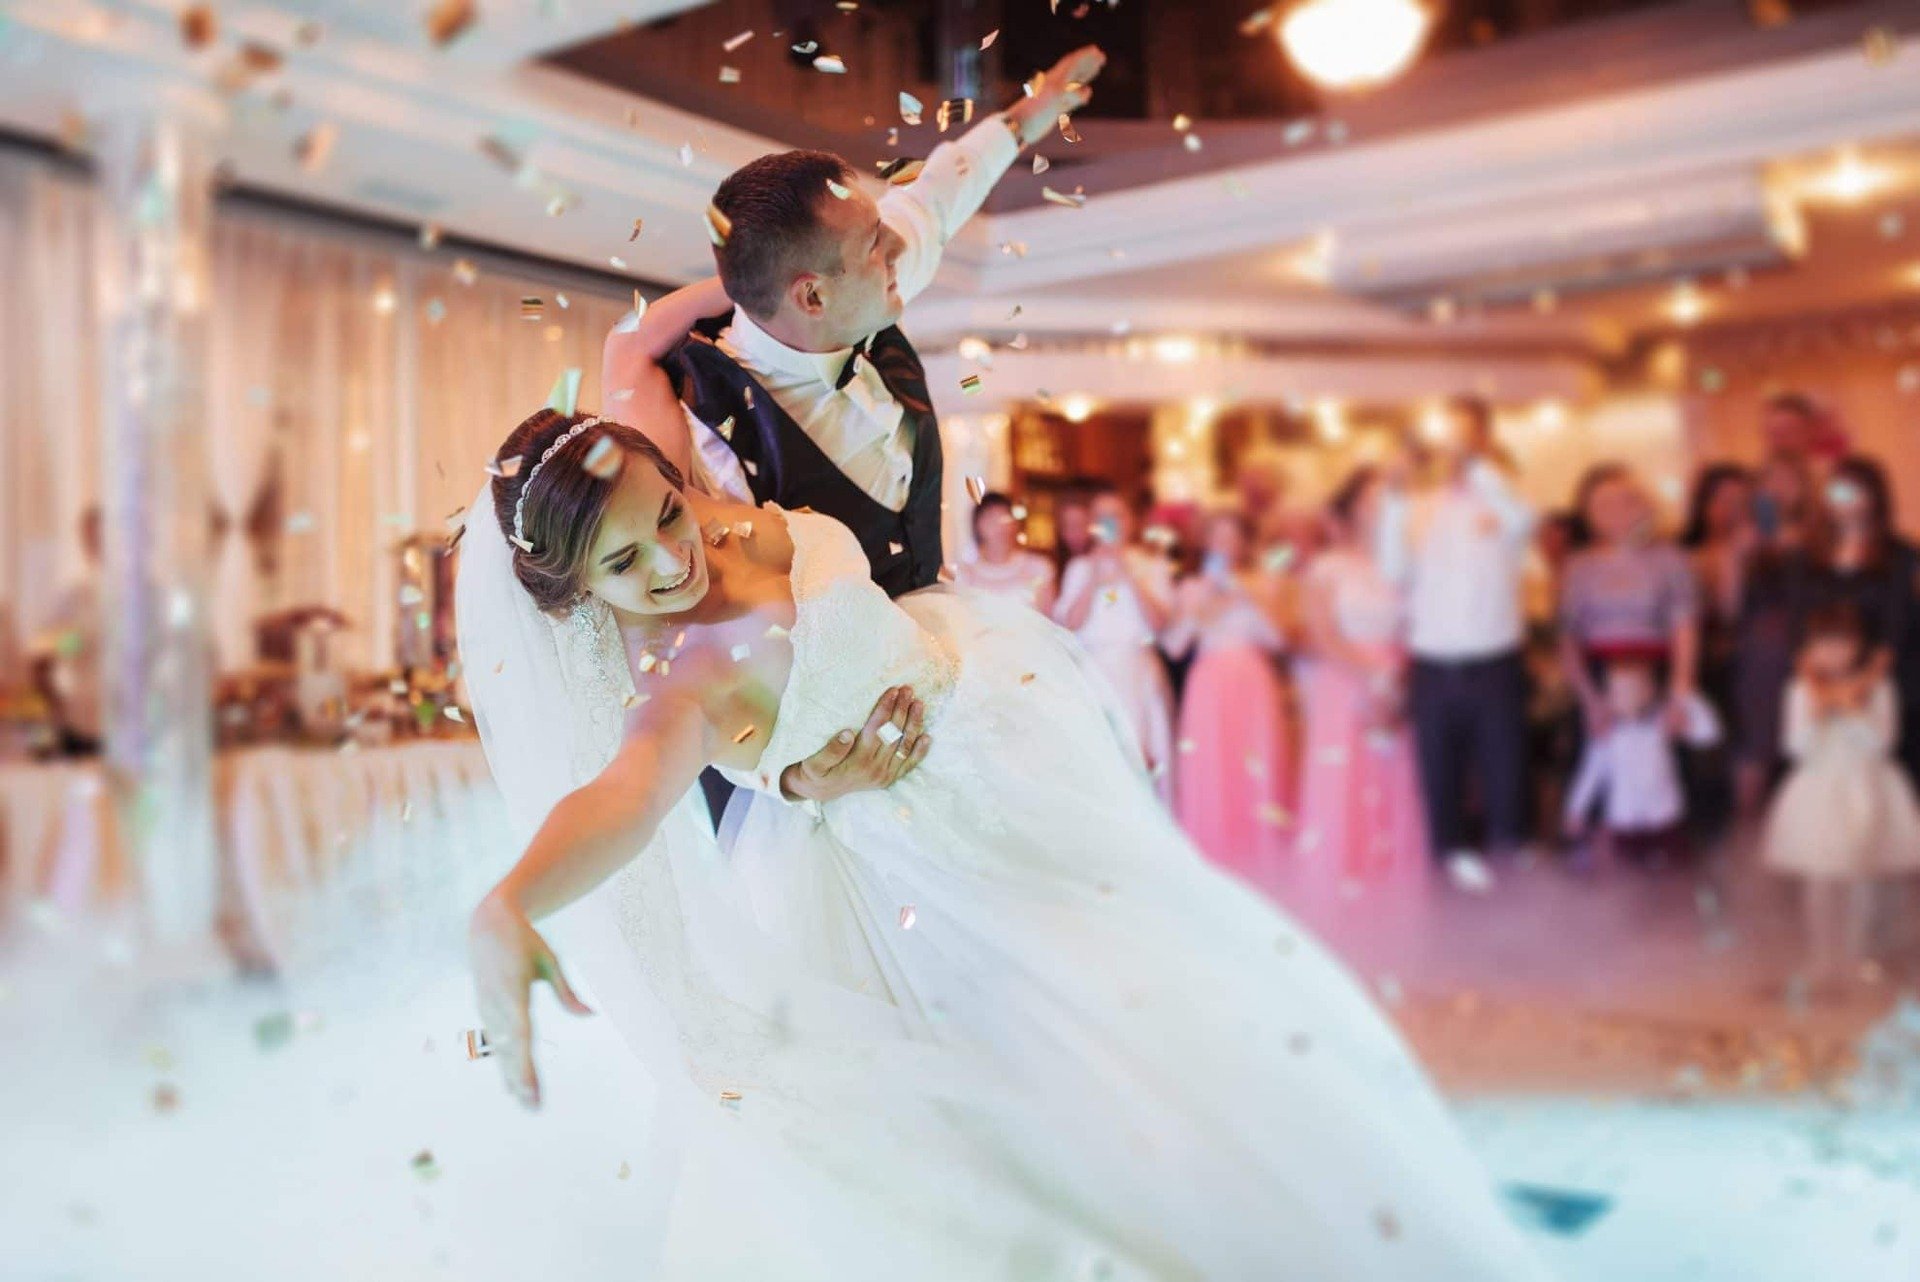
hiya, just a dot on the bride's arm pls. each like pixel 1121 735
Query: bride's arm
pixel 637 392
pixel 588 836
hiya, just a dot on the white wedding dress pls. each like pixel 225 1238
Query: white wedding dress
pixel 1001 1020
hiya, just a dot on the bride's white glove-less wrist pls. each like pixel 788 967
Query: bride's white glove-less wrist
pixel 878 755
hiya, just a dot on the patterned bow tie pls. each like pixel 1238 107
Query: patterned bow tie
pixel 846 371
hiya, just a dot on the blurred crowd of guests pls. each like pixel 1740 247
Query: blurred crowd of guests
pixel 1426 672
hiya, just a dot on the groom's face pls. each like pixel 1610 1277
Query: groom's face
pixel 863 296
pixel 648 557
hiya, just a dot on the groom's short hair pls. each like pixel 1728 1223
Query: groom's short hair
pixel 773 206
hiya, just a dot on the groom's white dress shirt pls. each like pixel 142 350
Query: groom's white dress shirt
pixel 861 427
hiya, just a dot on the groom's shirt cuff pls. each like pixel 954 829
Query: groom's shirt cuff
pixel 950 189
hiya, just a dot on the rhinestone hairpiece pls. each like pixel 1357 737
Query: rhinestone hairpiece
pixel 520 504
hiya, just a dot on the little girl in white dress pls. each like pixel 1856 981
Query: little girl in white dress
pixel 1846 815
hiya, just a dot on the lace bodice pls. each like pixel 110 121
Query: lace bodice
pixel 850 643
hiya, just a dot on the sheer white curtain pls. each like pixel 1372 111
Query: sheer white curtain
pixel 355 390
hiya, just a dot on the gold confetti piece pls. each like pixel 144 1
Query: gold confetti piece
pixel 316 145
pixel 605 459
pixel 1016 248
pixel 464 271
pixel 899 173
pixel 895 548
pixel 647 662
pixel 166 1098
pixel 1071 199
pixel 908 917
pixel 1879 45
pixel 954 111
pixel 1182 122
pixel 970 384
pixel 424 1166
pixel 1067 131
pixel 666 666
pixel 478 1047
pixel 198 27
pixel 729 75
pixel 1026 678
pixel 625 1170
pixel 1018 342
pixel 719 227
pixel 746 733
pixel 740 652
pixel 447 19
pixel 831 64
pixel 991 36
pixel 634 700
pixel 839 192
pixel 531 308
pixel 734 42
pixel 910 108
pixel 976 488
pixel 1041 164
pixel 729 1097
pixel 635 233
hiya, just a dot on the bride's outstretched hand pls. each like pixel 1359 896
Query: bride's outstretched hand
pixel 872 758
pixel 507 955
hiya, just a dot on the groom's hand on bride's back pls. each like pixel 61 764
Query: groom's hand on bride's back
pixel 865 759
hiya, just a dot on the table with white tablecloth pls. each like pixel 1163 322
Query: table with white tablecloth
pixel 296 825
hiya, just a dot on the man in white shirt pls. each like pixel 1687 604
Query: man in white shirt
pixel 809 395
pixel 1459 551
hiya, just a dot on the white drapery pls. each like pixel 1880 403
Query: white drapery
pixel 357 369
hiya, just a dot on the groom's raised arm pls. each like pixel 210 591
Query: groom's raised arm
pixel 958 175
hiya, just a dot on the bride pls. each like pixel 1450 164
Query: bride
pixel 998 1020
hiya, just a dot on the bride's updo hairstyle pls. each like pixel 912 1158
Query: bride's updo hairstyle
pixel 562 512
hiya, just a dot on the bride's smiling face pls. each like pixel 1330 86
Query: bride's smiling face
pixel 648 556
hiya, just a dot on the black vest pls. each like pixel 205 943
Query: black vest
pixel 784 466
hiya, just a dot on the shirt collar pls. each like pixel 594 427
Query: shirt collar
pixel 760 348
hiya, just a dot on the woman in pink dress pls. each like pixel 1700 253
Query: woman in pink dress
pixel 1232 769
pixel 1359 846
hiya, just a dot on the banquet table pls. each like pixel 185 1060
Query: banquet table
pixel 296 825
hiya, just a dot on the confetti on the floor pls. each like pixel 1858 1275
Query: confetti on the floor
pixel 902 171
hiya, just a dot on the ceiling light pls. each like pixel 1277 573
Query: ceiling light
pixel 1330 421
pixel 1685 306
pixel 1352 44
pixel 1175 349
pixel 1850 180
pixel 1077 407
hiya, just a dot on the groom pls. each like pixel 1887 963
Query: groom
pixel 807 394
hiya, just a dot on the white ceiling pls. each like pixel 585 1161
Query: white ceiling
pixel 1247 251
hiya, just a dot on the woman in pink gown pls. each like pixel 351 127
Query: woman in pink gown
pixel 1232 770
pixel 1360 849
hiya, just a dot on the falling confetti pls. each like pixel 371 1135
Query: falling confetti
pixel 198 27
pixel 464 271
pixel 1256 22
pixel 1192 142
pixel 987 42
pixel 725 428
pixel 729 1097
pixel 1182 122
pixel 907 917
pixel 1470 873
pixel 1070 199
pixel 954 111
pixel 1041 164
pixel 734 42
pixel 430 236
pixel 839 190
pixel 165 1098
pixel 686 155
pixel 719 227
pixel 531 308
pixel 970 384
pixel 745 733
pixel 729 75
pixel 901 171
pixel 478 1047
pixel 806 47
pixel 1296 132
pixel 910 108
pixel 1018 342
pixel 831 64
pixel 976 488
pixel 316 146
pixel 604 460
pixel 424 1166
pixel 1067 131
pixel 447 19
